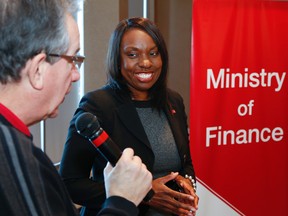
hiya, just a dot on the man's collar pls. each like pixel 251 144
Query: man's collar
pixel 14 120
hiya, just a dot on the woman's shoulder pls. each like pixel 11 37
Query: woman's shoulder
pixel 106 96
pixel 174 95
pixel 104 91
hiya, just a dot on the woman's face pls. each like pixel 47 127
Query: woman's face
pixel 141 62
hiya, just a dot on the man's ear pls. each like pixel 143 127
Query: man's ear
pixel 36 70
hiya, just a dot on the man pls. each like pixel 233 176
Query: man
pixel 39 42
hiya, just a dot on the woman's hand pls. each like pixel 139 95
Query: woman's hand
pixel 169 201
pixel 187 188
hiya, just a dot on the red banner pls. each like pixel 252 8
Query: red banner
pixel 239 103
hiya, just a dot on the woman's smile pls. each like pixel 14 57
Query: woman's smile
pixel 144 77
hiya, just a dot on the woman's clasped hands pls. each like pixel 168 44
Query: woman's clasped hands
pixel 182 202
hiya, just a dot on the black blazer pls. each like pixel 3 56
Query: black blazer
pixel 117 115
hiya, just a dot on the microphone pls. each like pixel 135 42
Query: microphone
pixel 87 125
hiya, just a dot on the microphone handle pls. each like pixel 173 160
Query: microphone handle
pixel 149 195
pixel 111 152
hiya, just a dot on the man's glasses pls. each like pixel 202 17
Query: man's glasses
pixel 77 60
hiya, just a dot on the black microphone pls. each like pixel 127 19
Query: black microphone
pixel 87 125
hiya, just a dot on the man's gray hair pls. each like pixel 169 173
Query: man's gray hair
pixel 28 27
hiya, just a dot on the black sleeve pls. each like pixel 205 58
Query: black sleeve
pixel 118 206
pixel 77 161
pixel 80 157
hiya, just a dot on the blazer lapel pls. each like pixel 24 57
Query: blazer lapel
pixel 129 116
pixel 171 114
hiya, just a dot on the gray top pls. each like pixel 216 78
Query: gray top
pixel 162 142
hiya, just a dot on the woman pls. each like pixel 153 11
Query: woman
pixel 137 110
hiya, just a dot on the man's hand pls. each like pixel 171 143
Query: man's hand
pixel 129 178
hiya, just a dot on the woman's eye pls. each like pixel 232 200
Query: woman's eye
pixel 132 55
pixel 154 53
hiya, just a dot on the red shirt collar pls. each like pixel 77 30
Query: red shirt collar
pixel 14 120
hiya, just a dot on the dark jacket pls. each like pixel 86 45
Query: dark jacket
pixel 118 117
pixel 29 182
